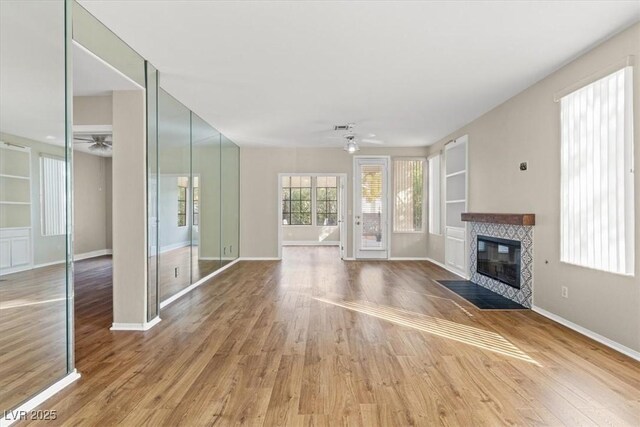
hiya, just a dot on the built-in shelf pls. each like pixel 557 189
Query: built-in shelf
pixel 2 175
pixel 456 174
pixel 500 218
pixel 456 201
pixel 14 203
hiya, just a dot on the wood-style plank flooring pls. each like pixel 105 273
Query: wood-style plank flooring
pixel 33 333
pixel 312 340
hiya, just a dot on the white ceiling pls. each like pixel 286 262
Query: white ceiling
pixel 283 73
pixel 94 77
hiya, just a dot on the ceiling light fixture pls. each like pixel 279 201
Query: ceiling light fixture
pixel 50 137
pixel 351 146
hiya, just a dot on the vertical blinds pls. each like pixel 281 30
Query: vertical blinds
pixel 52 195
pixel 434 195
pixel 408 181
pixel 597 217
pixel 371 177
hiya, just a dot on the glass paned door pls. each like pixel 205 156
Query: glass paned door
pixel 371 210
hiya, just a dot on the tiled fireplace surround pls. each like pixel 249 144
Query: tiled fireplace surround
pixel 521 233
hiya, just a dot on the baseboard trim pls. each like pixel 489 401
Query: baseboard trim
pixel 257 258
pixel 439 264
pixel 92 254
pixel 409 259
pixel 9 417
pixel 310 243
pixel 135 326
pixel 589 333
pixel 189 288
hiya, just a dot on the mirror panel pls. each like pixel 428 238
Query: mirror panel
pixel 153 301
pixel 174 195
pixel 35 272
pixel 205 209
pixel 230 200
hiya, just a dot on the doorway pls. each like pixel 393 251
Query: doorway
pixel 312 211
pixel 371 207
pixel 95 83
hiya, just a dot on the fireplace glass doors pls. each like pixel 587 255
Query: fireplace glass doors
pixel 499 259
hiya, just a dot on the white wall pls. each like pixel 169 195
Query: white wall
pixel 527 128
pixel 259 168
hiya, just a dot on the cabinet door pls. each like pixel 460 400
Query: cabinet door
pixel 5 253
pixel 20 251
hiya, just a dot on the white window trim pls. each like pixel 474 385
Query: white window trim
pixel 440 230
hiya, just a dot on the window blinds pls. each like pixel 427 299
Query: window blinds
pixel 408 189
pixel 52 196
pixel 597 194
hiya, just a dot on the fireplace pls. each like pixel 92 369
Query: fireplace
pixel 499 259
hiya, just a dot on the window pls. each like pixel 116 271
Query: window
pixel 196 201
pixel 183 184
pixel 296 200
pixel 597 194
pixel 52 196
pixel 326 200
pixel 408 179
pixel 434 195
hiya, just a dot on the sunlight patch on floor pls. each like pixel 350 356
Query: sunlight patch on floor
pixel 470 335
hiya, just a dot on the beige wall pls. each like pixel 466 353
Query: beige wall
pixel 259 168
pixel 92 203
pixel 129 208
pixel 92 110
pixel 527 128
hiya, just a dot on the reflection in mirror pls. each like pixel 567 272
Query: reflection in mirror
pixel 152 193
pixel 174 196
pixel 33 225
pixel 205 208
pixel 230 200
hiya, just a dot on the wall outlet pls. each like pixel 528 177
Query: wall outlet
pixel 175 272
pixel 565 292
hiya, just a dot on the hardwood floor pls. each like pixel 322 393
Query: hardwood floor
pixel 169 284
pixel 32 354
pixel 312 340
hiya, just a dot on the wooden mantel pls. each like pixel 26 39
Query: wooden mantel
pixel 500 218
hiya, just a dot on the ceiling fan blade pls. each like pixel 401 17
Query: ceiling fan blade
pixel 83 139
pixel 371 141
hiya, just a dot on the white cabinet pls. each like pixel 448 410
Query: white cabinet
pixel 5 253
pixel 15 249
pixel 15 208
pixel 20 253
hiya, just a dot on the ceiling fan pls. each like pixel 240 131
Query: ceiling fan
pixel 99 142
pixel 352 138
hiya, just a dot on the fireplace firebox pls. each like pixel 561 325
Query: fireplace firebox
pixel 499 259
